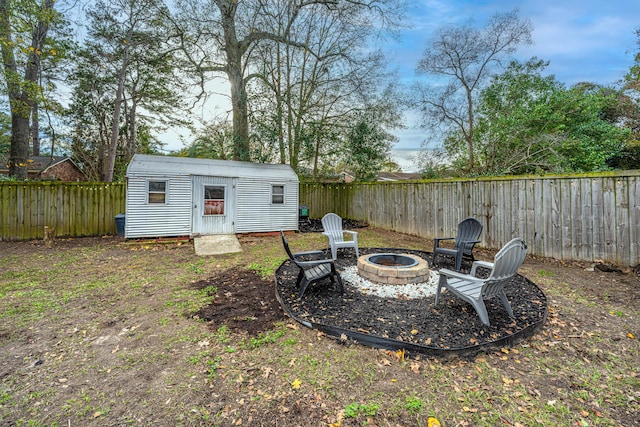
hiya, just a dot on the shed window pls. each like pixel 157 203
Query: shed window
pixel 277 194
pixel 214 200
pixel 157 191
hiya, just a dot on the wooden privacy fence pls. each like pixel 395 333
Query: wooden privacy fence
pixel 73 209
pixel 571 217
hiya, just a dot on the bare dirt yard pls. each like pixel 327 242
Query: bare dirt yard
pixel 108 332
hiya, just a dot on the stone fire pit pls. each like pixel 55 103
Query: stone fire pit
pixel 393 269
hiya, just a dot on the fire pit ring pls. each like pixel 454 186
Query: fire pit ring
pixel 393 269
pixel 392 260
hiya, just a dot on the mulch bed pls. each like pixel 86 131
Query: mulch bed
pixel 243 302
pixel 416 325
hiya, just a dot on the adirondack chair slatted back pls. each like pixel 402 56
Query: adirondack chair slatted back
pixel 332 224
pixel 286 246
pixel 469 230
pixel 505 265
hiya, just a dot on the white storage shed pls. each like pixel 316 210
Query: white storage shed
pixel 180 196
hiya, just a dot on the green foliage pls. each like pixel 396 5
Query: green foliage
pixel 268 337
pixel 413 404
pixel 367 148
pixel 125 61
pixel 529 123
pixel 31 40
pixel 354 409
pixel 214 141
pixel 266 267
pixel 223 334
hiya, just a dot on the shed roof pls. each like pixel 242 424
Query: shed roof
pixel 143 164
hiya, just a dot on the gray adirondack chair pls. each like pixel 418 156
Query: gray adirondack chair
pixel 312 270
pixel 332 225
pixel 469 232
pixel 475 290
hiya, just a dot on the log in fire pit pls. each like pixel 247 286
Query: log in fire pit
pixel 393 269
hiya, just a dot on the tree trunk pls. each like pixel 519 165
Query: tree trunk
pixel 112 149
pixel 279 109
pixel 240 114
pixel 234 69
pixel 470 131
pixel 131 137
pixel 19 153
pixel 35 130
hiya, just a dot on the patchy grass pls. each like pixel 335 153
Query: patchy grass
pixel 99 331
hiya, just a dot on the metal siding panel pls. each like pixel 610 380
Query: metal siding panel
pixel 171 219
pixel 255 213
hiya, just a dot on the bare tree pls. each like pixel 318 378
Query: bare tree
pixel 462 59
pixel 311 96
pixel 222 36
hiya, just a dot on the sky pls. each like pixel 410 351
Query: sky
pixel 584 40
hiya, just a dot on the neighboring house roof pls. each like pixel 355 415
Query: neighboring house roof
pixel 144 164
pixel 46 166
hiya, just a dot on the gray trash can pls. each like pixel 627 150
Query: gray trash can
pixel 120 220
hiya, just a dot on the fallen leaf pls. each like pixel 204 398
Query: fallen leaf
pixel 433 422
pixel 414 332
pixel 630 335
pixel 415 367
pixel 427 341
pixel 266 371
pixel 98 414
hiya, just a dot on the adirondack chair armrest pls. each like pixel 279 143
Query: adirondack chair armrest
pixel 437 240
pixel 352 233
pixel 476 264
pixel 308 253
pixel 316 262
pixel 457 275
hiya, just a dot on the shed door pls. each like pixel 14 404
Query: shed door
pixel 214 205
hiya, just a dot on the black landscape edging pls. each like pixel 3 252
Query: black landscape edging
pixel 344 335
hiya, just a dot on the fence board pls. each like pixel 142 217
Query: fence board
pixel 73 209
pixel 581 217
